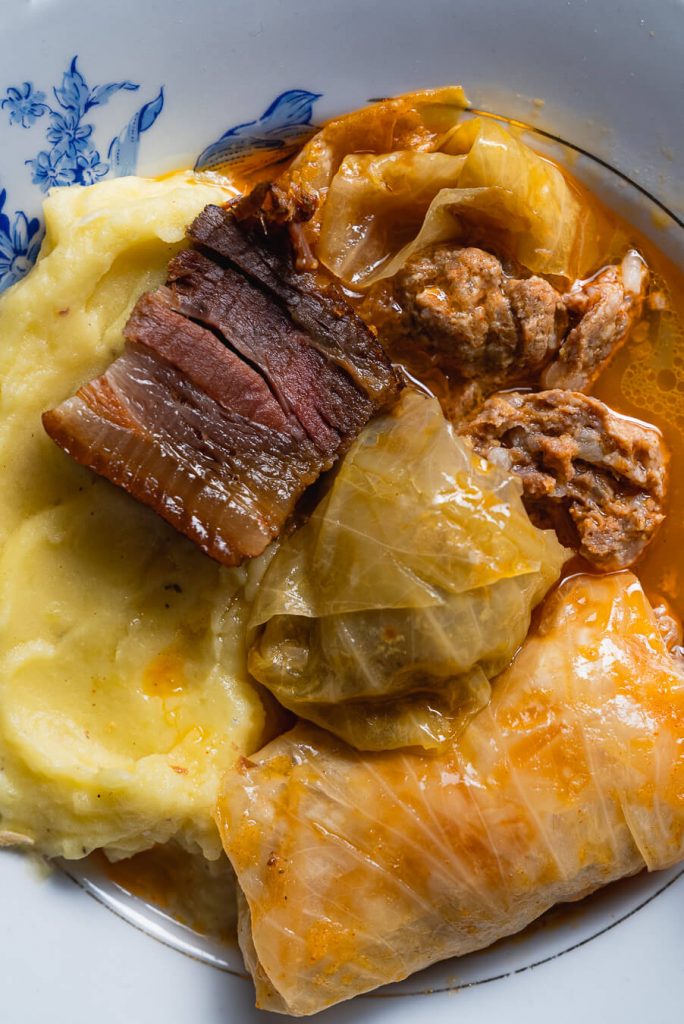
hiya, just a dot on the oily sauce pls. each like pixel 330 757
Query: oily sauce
pixel 646 380
pixel 194 891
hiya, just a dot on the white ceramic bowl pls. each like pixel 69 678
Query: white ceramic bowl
pixel 93 89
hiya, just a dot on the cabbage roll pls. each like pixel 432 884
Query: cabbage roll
pixel 412 584
pixel 359 869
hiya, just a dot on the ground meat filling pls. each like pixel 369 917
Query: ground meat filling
pixel 489 330
pixel 598 478
pixel 480 322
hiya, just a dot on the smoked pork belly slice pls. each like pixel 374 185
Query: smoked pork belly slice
pixel 324 399
pixel 327 319
pixel 236 390
pixel 208 363
pixel 203 454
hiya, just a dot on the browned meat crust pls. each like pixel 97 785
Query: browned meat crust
pixel 270 204
pixel 240 383
pixel 489 330
pixel 597 477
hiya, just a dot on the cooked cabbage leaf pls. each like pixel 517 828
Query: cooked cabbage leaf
pixel 389 191
pixel 358 869
pixel 410 586
pixel 416 121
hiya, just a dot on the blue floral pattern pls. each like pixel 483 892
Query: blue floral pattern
pixel 50 169
pixel 25 105
pixel 283 127
pixel 71 156
pixel 19 244
pixel 68 136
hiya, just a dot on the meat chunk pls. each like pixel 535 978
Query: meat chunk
pixel 489 330
pixel 211 366
pixel 312 390
pixel 324 315
pixel 224 480
pixel 597 477
pixel 478 321
pixel 224 408
pixel 604 310
pixel 270 204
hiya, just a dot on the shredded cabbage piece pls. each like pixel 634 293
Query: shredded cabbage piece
pixel 408 173
pixel 411 585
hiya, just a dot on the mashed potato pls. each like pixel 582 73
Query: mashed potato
pixel 123 695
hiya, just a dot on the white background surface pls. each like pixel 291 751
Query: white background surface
pixel 612 78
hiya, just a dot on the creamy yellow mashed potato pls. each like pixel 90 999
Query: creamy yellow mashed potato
pixel 123 695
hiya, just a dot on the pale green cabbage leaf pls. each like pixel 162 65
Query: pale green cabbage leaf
pixel 409 172
pixel 412 584
pixel 482 184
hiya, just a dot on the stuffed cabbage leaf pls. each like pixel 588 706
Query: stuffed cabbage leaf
pixel 411 585
pixel 358 869
pixel 391 185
